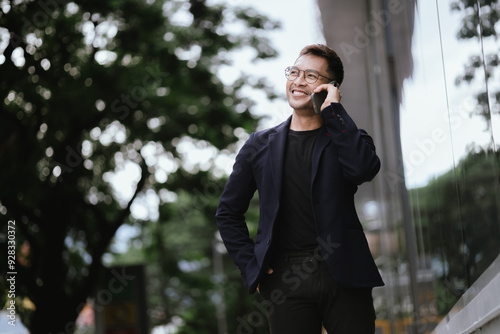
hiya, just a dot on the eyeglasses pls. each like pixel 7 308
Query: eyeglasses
pixel 311 76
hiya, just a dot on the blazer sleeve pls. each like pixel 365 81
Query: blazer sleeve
pixel 355 147
pixel 233 204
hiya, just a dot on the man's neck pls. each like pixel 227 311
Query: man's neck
pixel 305 122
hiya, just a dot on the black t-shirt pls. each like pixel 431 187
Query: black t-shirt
pixel 296 229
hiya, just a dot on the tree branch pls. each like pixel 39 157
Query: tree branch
pixel 109 232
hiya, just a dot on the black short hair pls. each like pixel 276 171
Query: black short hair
pixel 335 66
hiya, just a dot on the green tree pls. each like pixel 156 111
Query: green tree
pixel 458 212
pixel 87 89
pixel 475 21
pixel 178 250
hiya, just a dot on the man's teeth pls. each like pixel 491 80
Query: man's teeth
pixel 298 93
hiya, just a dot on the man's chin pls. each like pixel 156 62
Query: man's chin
pixel 301 105
pixel 304 111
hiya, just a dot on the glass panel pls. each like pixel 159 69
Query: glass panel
pixel 450 132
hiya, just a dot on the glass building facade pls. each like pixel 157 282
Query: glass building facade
pixel 423 79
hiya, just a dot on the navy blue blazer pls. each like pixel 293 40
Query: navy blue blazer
pixel 343 158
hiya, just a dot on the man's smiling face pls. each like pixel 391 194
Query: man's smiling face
pixel 298 92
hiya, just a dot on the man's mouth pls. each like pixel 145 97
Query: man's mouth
pixel 299 93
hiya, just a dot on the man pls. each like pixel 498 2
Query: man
pixel 310 259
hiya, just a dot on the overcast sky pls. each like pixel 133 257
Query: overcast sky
pixel 436 122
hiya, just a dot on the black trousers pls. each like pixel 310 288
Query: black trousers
pixel 302 298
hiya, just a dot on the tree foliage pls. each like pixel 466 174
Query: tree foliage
pixel 179 251
pixel 484 20
pixel 90 89
pixel 459 215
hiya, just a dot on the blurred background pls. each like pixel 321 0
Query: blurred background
pixel 120 122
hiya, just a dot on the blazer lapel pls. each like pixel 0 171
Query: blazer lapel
pixel 277 145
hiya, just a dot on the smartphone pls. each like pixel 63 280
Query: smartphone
pixel 319 98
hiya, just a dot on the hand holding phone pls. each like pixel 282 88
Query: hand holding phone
pixel 319 98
